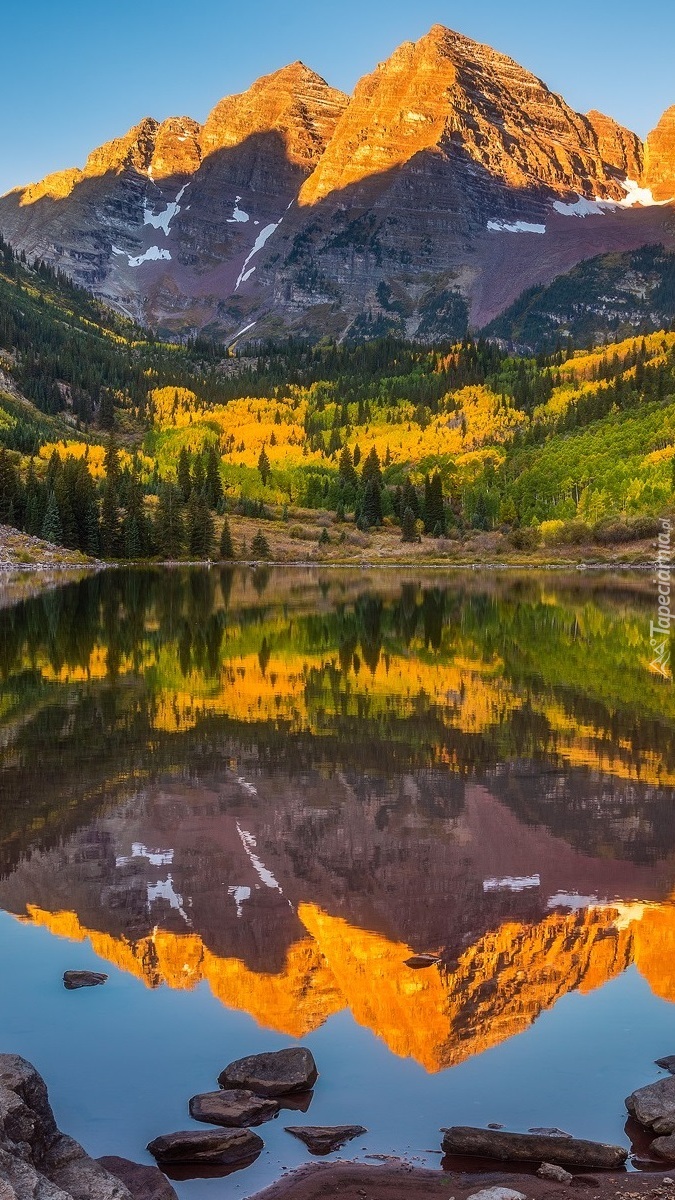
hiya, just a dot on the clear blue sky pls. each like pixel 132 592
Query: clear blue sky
pixel 75 73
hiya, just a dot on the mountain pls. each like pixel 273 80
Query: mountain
pixel 606 298
pixel 452 180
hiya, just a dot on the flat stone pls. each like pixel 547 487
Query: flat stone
pixel 532 1147
pixel 497 1193
pixel 80 979
pixel 654 1105
pixel 273 1074
pixel 549 1131
pixel 321 1139
pixel 218 1146
pixel 668 1063
pixel 555 1173
pixel 142 1181
pixel 236 1107
pixel 418 961
pixel 664 1147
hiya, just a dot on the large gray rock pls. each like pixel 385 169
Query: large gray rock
pixel 532 1147
pixel 321 1139
pixel 217 1146
pixel 274 1074
pixel 142 1181
pixel 555 1173
pixel 237 1107
pixel 654 1105
pixel 37 1162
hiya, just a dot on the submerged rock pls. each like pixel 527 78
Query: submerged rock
pixel 654 1105
pixel 142 1181
pixel 218 1146
pixel 79 979
pixel 272 1074
pixel 321 1139
pixel 236 1107
pixel 417 961
pixel 532 1147
pixel 555 1173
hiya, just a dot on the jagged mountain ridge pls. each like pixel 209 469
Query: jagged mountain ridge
pixel 452 180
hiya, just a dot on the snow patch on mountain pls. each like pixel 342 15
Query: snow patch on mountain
pixel 238 215
pixel 515 227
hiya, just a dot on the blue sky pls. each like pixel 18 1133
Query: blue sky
pixel 76 73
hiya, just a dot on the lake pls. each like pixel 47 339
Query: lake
pixel 251 796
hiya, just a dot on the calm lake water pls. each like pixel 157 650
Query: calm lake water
pixel 249 797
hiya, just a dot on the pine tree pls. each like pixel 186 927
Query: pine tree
pixel 409 526
pixel 199 527
pixel 110 521
pixel 214 486
pixel 260 547
pixel 371 470
pixel 371 506
pixel 169 528
pixel 264 466
pixel 226 543
pixel 51 526
pixel 183 475
pixel 346 471
pixel 198 474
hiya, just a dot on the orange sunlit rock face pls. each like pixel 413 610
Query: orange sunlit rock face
pixel 497 988
pixel 446 91
pixel 659 172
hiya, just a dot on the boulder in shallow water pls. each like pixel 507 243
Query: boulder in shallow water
pixel 273 1074
pixel 532 1147
pixel 321 1139
pixel 237 1107
pixel 654 1105
pixel 142 1181
pixel 79 979
pixel 211 1146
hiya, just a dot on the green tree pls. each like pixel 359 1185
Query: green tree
pixel 183 474
pixel 169 527
pixel 226 543
pixel 260 547
pixel 264 465
pixel 51 526
pixel 409 526
pixel 199 527
pixel 346 471
pixel 214 486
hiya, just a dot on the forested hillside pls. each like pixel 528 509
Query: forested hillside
pixel 114 443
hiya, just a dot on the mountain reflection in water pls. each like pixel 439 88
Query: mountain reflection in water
pixel 285 784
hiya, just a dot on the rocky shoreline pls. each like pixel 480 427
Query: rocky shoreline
pixel 39 1162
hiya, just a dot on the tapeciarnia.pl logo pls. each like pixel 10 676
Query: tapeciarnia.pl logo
pixel 659 630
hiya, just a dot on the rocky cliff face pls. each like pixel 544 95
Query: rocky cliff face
pixel 660 158
pixel 450 181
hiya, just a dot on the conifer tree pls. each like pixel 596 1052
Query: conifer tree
pixel 169 527
pixel 183 474
pixel 264 465
pixel 226 543
pixel 199 527
pixel 409 526
pixel 214 486
pixel 51 526
pixel 260 547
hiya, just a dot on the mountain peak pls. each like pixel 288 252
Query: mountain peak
pixel 293 101
pixel 659 172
